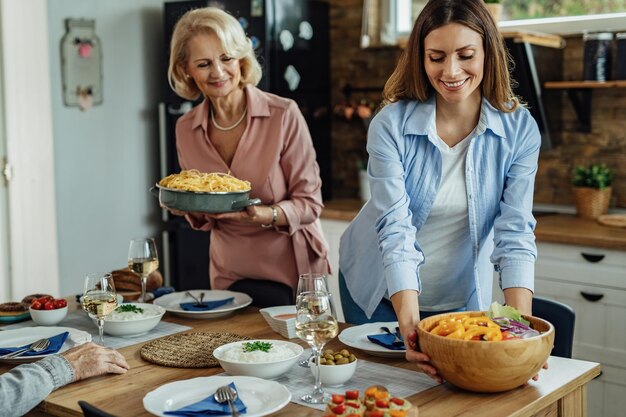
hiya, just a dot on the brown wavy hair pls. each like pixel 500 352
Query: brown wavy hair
pixel 409 80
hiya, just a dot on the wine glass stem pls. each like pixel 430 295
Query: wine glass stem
pixel 144 280
pixel 317 389
pixel 101 330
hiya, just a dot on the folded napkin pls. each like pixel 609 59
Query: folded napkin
pixel 55 344
pixel 208 305
pixel 209 407
pixel 386 340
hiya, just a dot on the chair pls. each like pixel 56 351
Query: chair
pixel 562 318
pixel 91 411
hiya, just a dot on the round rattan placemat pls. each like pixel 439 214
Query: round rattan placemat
pixel 187 350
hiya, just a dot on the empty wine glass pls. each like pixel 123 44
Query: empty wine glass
pixel 99 298
pixel 315 324
pixel 143 260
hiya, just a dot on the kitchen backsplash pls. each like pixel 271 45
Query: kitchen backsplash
pixel 371 67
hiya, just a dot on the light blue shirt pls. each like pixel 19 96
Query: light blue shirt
pixel 378 252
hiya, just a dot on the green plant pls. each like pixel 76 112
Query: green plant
pixel 594 176
pixel 492 1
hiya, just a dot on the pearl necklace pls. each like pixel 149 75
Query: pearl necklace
pixel 225 129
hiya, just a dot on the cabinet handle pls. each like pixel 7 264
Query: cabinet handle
pixel 591 297
pixel 592 258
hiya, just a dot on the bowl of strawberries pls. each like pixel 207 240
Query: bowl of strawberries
pixel 47 310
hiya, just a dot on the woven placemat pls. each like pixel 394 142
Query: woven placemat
pixel 187 350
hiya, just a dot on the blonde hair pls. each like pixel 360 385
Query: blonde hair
pixel 231 35
pixel 409 80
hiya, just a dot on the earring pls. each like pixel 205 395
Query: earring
pixel 187 76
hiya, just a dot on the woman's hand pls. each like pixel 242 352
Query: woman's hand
pixel 406 306
pixel 421 359
pixel 252 214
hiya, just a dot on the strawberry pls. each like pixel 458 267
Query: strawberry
pixel 339 409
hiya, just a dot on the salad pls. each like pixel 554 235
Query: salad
pixel 500 323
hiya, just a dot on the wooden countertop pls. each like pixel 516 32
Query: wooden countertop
pixel 554 228
pixel 560 391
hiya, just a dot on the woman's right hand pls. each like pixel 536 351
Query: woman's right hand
pixel 422 360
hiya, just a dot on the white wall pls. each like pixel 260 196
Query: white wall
pixel 107 158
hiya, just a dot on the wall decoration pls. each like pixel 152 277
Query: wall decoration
pixel 81 64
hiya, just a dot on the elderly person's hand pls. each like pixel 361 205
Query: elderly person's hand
pixel 92 360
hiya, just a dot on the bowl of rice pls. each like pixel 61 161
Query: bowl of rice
pixel 259 358
pixel 132 319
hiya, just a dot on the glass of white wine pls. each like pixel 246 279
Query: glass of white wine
pixel 99 298
pixel 315 324
pixel 143 260
pixel 312 281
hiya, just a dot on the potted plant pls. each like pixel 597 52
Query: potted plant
pixel 495 8
pixel 592 189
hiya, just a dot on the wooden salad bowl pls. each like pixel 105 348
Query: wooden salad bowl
pixel 483 366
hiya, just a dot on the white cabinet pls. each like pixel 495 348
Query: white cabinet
pixel 593 282
pixel 333 229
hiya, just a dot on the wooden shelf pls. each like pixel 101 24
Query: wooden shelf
pixel 535 38
pixel 579 93
pixel 584 84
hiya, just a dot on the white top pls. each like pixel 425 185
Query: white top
pixel 445 235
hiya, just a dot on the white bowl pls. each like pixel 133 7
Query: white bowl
pixel 334 375
pixel 262 368
pixel 282 319
pixel 134 326
pixel 48 317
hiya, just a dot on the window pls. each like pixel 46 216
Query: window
pixel 532 9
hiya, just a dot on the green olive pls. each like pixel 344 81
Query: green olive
pixel 344 352
pixel 352 358
pixel 330 362
pixel 329 352
pixel 343 361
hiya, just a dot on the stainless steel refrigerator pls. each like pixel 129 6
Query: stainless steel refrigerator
pixel 291 39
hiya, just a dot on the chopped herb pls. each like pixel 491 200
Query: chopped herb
pixel 129 308
pixel 252 346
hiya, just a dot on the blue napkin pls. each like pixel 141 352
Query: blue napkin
pixel 209 407
pixel 386 340
pixel 208 305
pixel 55 344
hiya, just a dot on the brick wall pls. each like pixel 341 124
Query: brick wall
pixel 371 67
pixel 606 143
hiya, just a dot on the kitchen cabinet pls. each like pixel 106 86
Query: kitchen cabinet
pixel 592 281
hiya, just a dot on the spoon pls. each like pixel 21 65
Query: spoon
pixel 37 346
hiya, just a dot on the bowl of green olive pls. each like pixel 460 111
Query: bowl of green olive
pixel 337 367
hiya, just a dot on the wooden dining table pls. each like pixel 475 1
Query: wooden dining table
pixel 560 391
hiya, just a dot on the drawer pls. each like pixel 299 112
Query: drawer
pixel 601 275
pixel 581 255
pixel 600 330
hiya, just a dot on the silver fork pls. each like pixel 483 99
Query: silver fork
pixel 224 394
pixel 396 339
pixel 199 303
pixel 37 346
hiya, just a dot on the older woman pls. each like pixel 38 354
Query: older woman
pixel 258 137
pixel 453 157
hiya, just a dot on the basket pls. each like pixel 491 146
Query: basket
pixel 592 202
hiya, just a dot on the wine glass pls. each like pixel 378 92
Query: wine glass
pixel 312 281
pixel 315 324
pixel 143 260
pixel 99 298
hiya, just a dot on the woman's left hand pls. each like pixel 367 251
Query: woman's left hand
pixel 252 214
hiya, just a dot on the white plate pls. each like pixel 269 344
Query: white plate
pixel 261 397
pixel 26 335
pixel 171 302
pixel 356 337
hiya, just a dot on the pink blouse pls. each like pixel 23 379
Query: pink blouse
pixel 276 154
